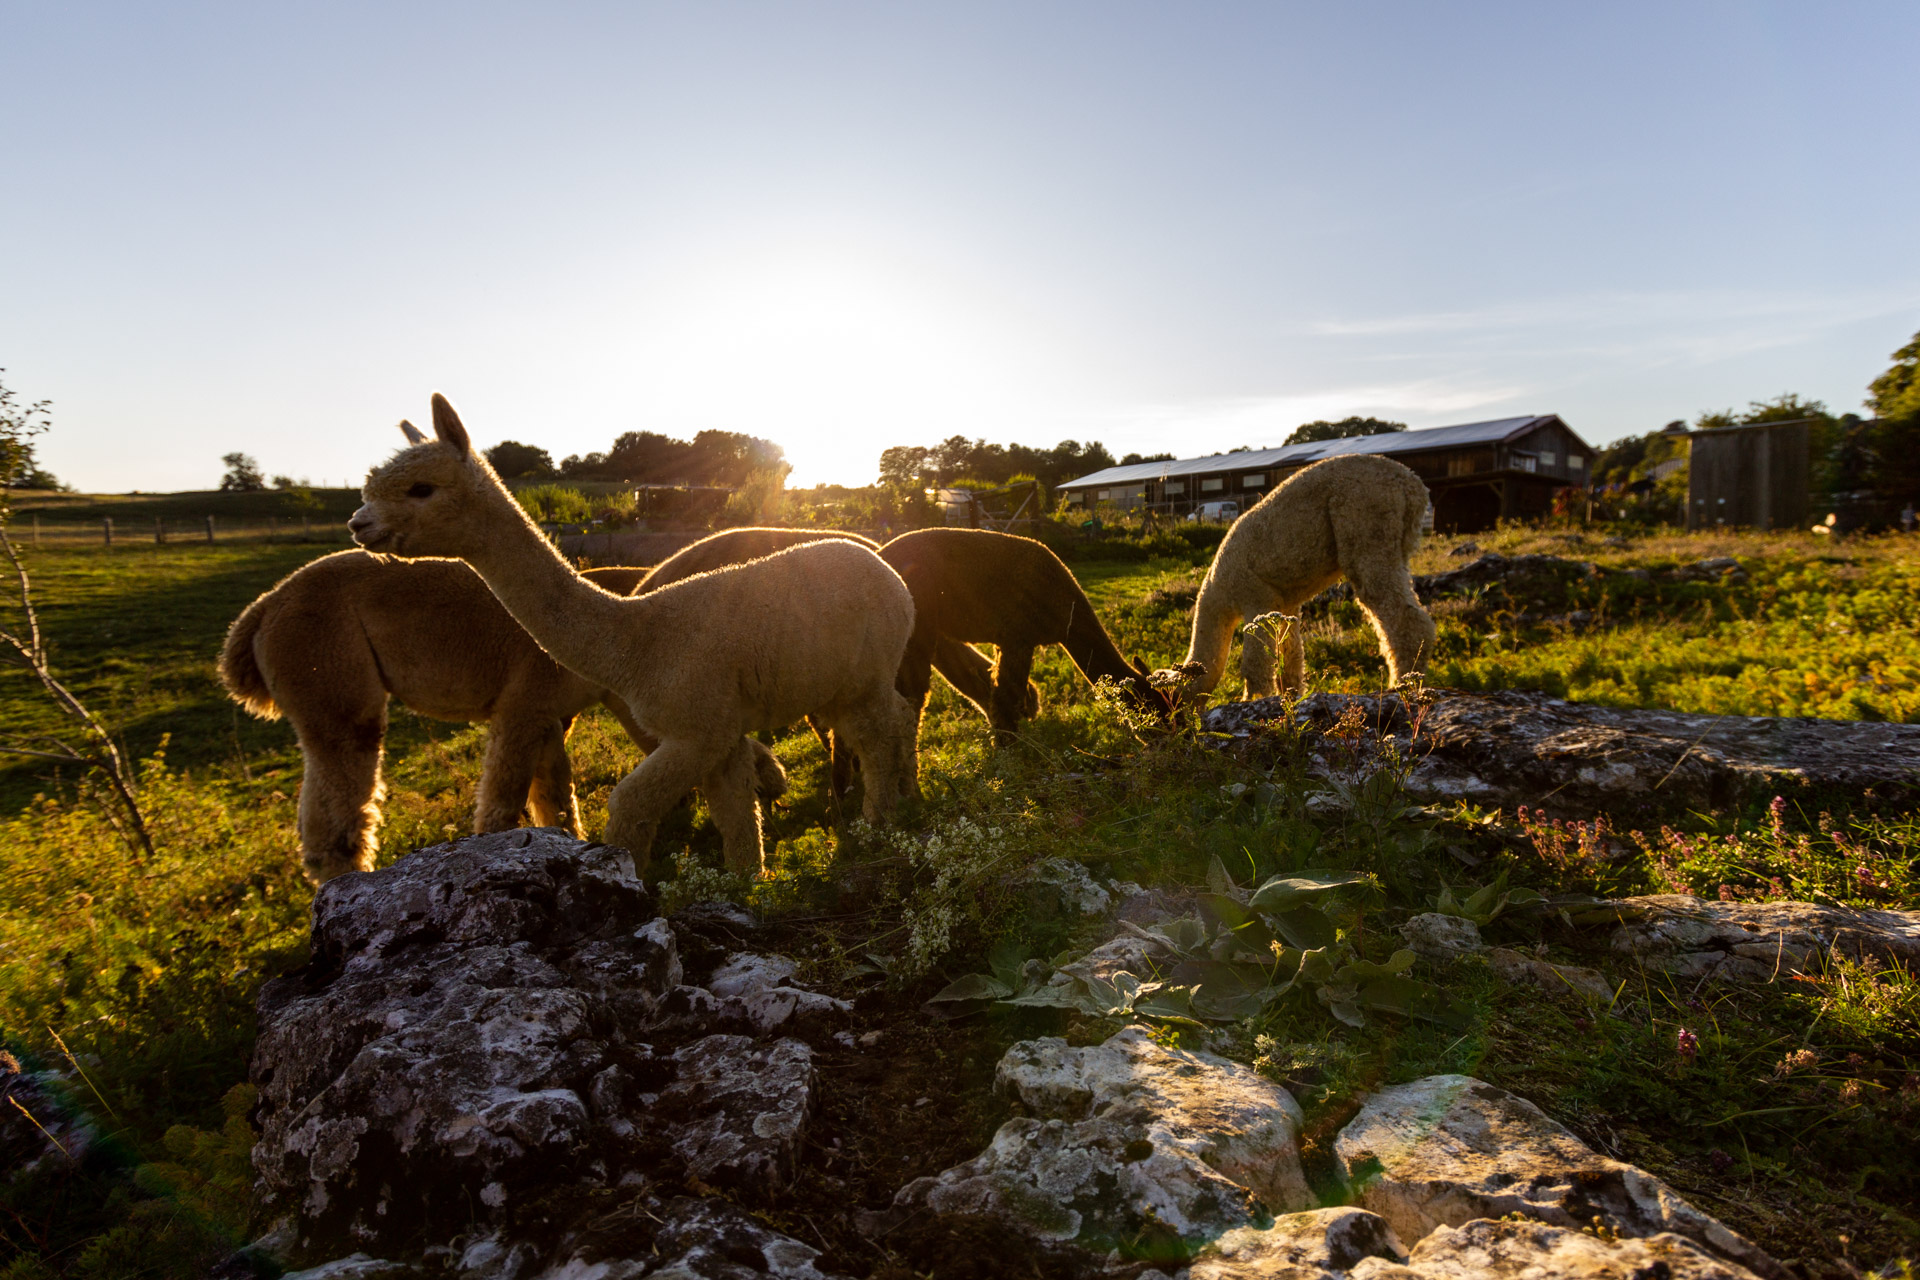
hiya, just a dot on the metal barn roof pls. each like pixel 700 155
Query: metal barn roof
pixel 1497 431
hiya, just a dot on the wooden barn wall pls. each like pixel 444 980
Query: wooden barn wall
pixel 1755 479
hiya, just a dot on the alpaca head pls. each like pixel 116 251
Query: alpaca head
pixel 1143 693
pixel 430 498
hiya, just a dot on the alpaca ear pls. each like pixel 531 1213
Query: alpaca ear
pixel 446 424
pixel 413 434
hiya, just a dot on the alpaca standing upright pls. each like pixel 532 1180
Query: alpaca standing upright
pixel 968 670
pixel 1356 516
pixel 817 630
pixel 330 643
pixel 975 585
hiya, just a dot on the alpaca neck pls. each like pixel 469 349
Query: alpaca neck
pixel 1214 621
pixel 1092 649
pixel 567 615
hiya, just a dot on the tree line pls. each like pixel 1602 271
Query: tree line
pixel 725 459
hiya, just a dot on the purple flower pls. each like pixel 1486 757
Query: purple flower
pixel 1687 1044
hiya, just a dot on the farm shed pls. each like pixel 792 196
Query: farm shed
pixel 1477 472
pixel 1753 475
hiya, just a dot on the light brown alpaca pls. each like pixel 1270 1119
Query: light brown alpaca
pixel 1356 516
pixel 331 642
pixel 816 630
pixel 968 670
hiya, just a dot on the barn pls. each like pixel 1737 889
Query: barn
pixel 1477 473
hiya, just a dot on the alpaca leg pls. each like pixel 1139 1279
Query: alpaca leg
pixel 551 800
pixel 1407 634
pixel 1293 679
pixel 515 746
pixel 1009 691
pixel 644 796
pixel 1256 666
pixel 340 794
pixel 729 791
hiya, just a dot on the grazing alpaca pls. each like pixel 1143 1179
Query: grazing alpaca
pixel 331 642
pixel 974 585
pixel 968 670
pixel 816 630
pixel 1359 516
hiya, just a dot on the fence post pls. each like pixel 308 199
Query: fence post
pixel 106 527
pixel 159 530
pixel 209 530
pixel 36 528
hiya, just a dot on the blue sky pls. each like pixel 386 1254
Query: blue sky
pixel 277 228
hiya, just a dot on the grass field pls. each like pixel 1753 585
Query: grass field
pixel 147 971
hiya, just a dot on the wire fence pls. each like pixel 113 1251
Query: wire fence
pixel 28 529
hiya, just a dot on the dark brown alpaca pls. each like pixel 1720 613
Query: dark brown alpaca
pixel 980 587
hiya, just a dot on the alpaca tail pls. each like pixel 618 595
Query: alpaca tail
pixel 240 671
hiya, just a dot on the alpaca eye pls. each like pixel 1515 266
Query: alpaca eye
pixel 422 490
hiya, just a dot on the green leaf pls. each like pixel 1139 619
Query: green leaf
pixel 975 986
pixel 1218 878
pixel 1362 970
pixel 1168 1002
pixel 1006 959
pixel 1307 928
pixel 1283 892
pixel 1415 1000
pixel 1064 995
pixel 1317 965
pixel 1224 909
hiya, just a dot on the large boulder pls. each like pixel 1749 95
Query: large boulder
pixel 485 1036
pixel 1442 1151
pixel 1758 941
pixel 1513 747
pixel 1128 1143
pixel 1489 1250
pixel 1320 1244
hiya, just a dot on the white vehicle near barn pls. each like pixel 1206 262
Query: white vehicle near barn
pixel 1223 512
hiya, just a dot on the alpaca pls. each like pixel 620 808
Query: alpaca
pixel 1011 592
pixel 1357 515
pixel 331 642
pixel 817 629
pixel 968 670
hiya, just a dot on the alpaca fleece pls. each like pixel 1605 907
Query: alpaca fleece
pixel 331 642
pixel 1356 517
pixel 818 629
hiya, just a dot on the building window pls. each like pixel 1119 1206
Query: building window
pixel 1548 459
pixel 1526 462
pixel 1103 495
pixel 1576 463
pixel 1257 480
pixel 1177 490
pixel 1213 484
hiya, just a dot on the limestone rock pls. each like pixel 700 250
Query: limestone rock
pixel 1320 1244
pixel 358 1266
pixel 1434 936
pixel 475 1035
pixel 1487 1250
pixel 1079 894
pixel 1757 941
pixel 1519 969
pixel 1513 747
pixel 36 1128
pixel 712 1240
pixel 760 991
pixel 735 1111
pixel 1128 1139
pixel 1445 1150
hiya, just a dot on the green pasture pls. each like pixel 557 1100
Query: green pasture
pixel 146 971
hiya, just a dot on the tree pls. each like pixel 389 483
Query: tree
pixel 1135 458
pixel 903 467
pixel 1307 432
pixel 513 460
pixel 1895 394
pixel 243 474
pixel 19 424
